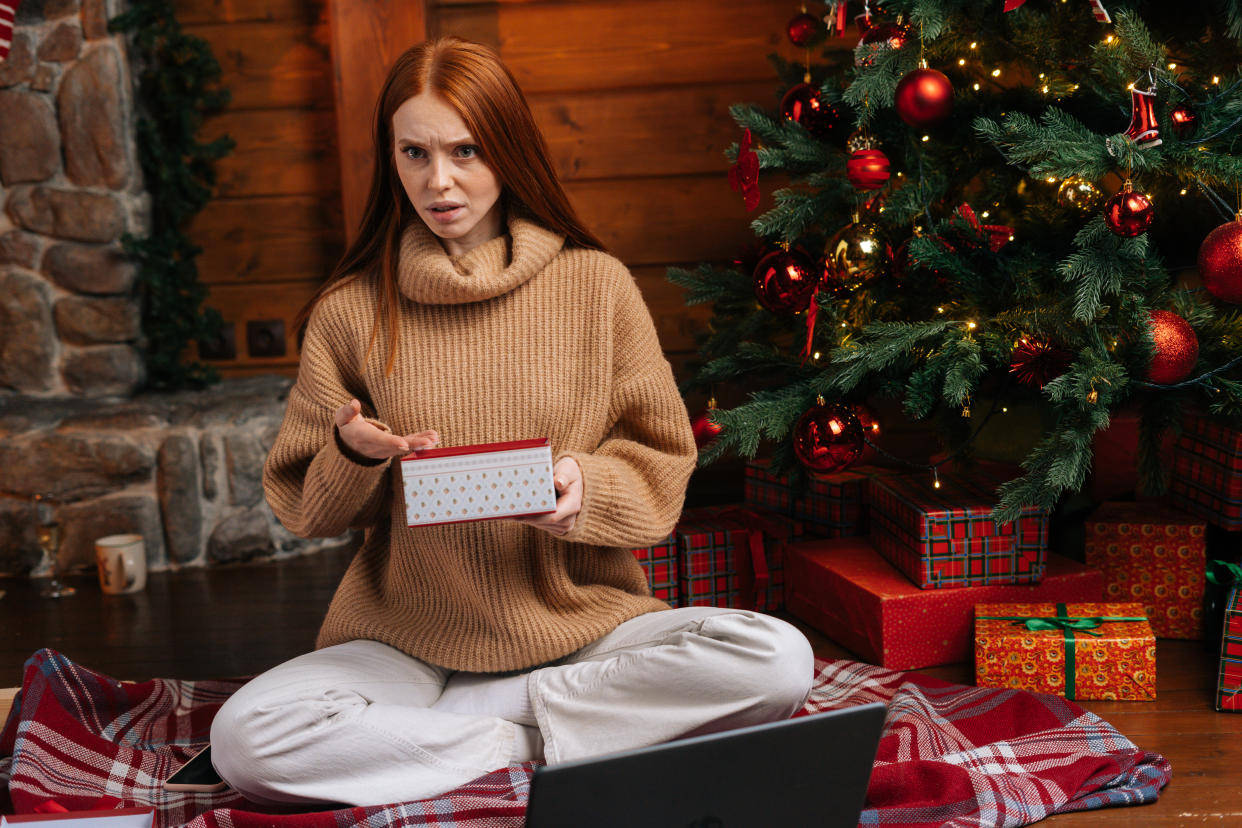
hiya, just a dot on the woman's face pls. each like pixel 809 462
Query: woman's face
pixel 446 179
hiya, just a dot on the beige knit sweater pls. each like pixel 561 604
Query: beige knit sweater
pixel 517 339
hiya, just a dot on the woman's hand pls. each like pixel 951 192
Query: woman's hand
pixel 369 441
pixel 567 478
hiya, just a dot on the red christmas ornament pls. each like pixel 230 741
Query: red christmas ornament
pixel 804 104
pixel 1220 262
pixel 923 97
pixel 704 429
pixel 1036 362
pixel 803 29
pixel 867 169
pixel 1184 120
pixel 828 438
pixel 784 281
pixel 744 174
pixel 1143 130
pixel 1176 348
pixel 1128 213
pixel 881 37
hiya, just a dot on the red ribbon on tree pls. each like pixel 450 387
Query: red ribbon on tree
pixel 1097 9
pixel 753 575
pixel 812 311
pixel 744 174
pixel 997 235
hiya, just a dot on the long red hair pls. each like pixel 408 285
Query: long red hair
pixel 471 78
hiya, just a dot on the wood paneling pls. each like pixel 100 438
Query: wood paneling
pixel 246 11
pixel 258 302
pixel 274 239
pixel 279 152
pixel 285 64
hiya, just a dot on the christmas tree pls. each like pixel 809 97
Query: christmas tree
pixel 988 204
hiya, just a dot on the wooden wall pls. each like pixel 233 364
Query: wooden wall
pixel 632 95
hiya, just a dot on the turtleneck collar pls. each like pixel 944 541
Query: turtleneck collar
pixel 428 275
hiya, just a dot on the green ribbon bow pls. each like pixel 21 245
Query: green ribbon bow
pixel 1224 573
pixel 1070 624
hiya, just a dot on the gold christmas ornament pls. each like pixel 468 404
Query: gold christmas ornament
pixel 1080 194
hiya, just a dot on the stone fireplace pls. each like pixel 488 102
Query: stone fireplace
pixel 182 469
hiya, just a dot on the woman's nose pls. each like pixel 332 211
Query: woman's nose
pixel 440 177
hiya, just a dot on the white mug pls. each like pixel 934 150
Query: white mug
pixel 122 562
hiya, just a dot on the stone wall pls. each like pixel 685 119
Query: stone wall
pixel 69 187
pixel 183 470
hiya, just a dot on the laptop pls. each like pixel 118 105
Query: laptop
pixel 802 772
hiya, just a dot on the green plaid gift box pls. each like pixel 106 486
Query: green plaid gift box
pixel 733 556
pixel 830 507
pixel 1207 471
pixel 660 563
pixel 946 537
pixel 1229 683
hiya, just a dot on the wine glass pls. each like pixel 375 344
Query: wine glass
pixel 47 530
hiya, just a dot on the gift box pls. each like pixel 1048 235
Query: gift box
pixel 1207 471
pixel 56 815
pixel 945 536
pixel 733 556
pixel 1229 684
pixel 1222 577
pixel 830 507
pixel 1155 555
pixel 1076 650
pixel 845 589
pixel 478 482
pixel 659 561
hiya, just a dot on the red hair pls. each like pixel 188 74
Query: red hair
pixel 471 78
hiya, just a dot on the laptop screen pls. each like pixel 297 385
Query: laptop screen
pixel 806 771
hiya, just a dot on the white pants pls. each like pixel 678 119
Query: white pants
pixel 350 724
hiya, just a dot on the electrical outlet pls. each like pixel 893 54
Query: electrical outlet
pixel 265 338
pixel 223 347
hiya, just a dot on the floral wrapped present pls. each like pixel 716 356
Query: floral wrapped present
pixel 1079 651
pixel 847 591
pixel 1207 471
pixel 945 536
pixel 830 507
pixel 660 563
pixel 1153 554
pixel 1229 685
pixel 732 556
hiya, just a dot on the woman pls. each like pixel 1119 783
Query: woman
pixel 474 307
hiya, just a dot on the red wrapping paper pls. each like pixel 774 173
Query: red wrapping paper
pixel 1155 555
pixel 832 506
pixel 732 556
pixel 1229 681
pixel 847 591
pixel 1207 472
pixel 659 561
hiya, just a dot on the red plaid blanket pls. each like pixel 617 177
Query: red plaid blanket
pixel 950 755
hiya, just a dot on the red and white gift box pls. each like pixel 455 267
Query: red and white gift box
pixel 847 591
pixel 479 482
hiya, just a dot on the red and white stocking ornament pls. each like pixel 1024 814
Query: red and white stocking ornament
pixel 8 18
pixel 1143 131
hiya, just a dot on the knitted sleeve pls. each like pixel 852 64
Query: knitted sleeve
pixel 313 487
pixel 635 481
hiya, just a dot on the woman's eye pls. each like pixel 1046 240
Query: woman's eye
pixel 467 152
pixel 412 153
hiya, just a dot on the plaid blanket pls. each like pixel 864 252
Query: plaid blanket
pixel 950 755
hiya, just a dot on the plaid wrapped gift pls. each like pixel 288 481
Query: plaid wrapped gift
pixel 831 506
pixel 660 563
pixel 1222 577
pixel 1153 554
pixel 844 589
pixel 946 537
pixel 732 556
pixel 1207 471
pixel 1079 651
pixel 1229 684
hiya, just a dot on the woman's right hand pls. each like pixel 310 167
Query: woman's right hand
pixel 369 441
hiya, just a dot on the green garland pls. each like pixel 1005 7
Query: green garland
pixel 177 87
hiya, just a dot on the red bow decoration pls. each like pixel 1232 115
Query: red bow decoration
pixel 1097 9
pixel 997 235
pixel 744 174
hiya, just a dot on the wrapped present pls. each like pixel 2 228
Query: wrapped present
pixel 830 507
pixel 1155 555
pixel 660 563
pixel 487 481
pixel 1229 685
pixel 1075 650
pixel 1207 471
pixel 847 591
pixel 1221 577
pixel 732 556
pixel 946 537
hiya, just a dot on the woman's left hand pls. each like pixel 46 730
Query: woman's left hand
pixel 567 478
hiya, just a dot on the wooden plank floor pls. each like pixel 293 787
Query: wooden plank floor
pixel 240 620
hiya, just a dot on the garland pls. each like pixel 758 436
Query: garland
pixel 177 87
